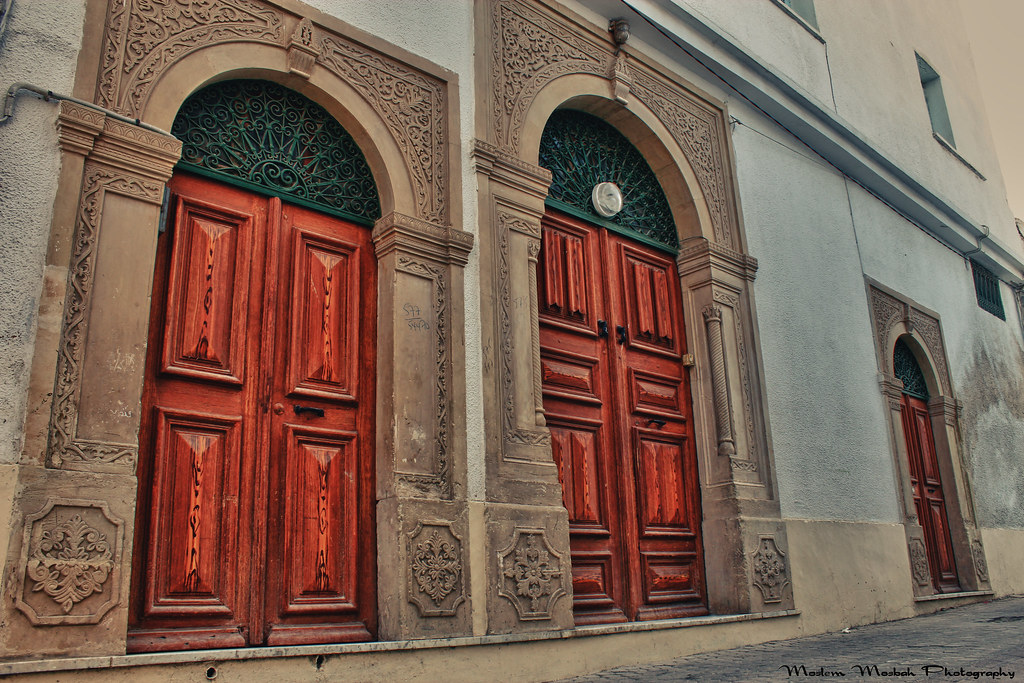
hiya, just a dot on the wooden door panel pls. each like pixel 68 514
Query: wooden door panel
pixel 194 532
pixel 567 290
pixel 570 376
pixel 646 292
pixel 321 497
pixel 671 578
pixel 575 448
pixel 662 485
pixel 593 584
pixel 655 395
pixel 325 316
pixel 205 323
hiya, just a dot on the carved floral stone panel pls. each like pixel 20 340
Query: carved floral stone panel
pixel 919 562
pixel 70 563
pixel 436 576
pixel 532 575
pixel 771 574
pixel 144 38
pixel 887 311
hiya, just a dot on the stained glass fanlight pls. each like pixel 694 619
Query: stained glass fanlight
pixel 581 151
pixel 275 141
pixel 906 368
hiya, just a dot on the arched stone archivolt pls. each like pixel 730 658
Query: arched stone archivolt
pixel 540 60
pixel 895 318
pixel 153 56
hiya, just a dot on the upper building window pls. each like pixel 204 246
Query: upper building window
pixel 986 285
pixel 803 9
pixel 933 97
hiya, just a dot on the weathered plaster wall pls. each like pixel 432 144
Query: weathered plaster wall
pixel 442 33
pixel 40 47
pixel 986 355
pixel 828 426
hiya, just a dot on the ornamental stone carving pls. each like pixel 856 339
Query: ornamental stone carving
pixel 532 48
pixel 436 578
pixel 919 562
pixel 980 565
pixel 531 574
pixel 888 311
pixel 143 39
pixel 771 575
pixel 70 563
pixel 66 449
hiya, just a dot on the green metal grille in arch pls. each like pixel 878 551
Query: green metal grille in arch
pixel 905 367
pixel 275 141
pixel 581 151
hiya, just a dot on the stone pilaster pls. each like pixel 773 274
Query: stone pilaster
pixel 523 513
pixel 76 488
pixel 423 578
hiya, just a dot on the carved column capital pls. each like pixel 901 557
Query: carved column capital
pixel 892 389
pixel 78 127
pixel 398 232
pixel 509 170
pixel 140 152
pixel 697 253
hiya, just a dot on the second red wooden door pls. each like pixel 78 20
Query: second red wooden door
pixel 256 479
pixel 928 497
pixel 617 401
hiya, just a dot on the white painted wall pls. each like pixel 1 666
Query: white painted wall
pixel 40 46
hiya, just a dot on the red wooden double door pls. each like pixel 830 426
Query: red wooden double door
pixel 256 483
pixel 617 401
pixel 928 497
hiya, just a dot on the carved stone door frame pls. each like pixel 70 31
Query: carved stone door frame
pixel 895 317
pixel 78 468
pixel 541 58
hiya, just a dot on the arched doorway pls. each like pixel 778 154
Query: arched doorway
pixel 925 479
pixel 616 393
pixel 257 439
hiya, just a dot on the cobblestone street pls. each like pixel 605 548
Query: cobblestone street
pixel 982 642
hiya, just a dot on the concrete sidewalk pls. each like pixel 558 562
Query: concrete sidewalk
pixel 983 642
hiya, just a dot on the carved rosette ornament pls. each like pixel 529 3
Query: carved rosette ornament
pixel 919 562
pixel 72 556
pixel 436 583
pixel 771 576
pixel 532 575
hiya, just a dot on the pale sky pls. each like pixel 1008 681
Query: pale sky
pixel 994 28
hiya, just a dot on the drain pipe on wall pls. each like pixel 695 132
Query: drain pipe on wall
pixel 50 96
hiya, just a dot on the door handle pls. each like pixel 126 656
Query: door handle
pixel 602 328
pixel 656 422
pixel 621 331
pixel 315 412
